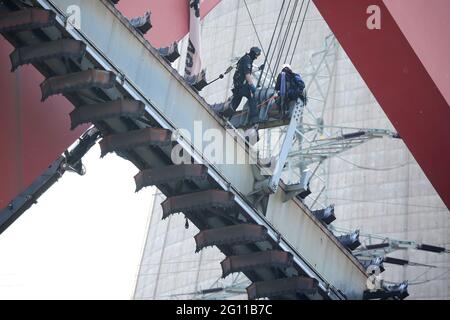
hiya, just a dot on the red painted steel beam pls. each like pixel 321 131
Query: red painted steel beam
pixel 405 64
pixel 170 18
pixel 34 134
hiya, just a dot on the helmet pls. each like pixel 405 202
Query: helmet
pixel 255 52
pixel 286 66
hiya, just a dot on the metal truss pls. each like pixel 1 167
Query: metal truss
pixel 375 248
pixel 318 146
pixel 315 141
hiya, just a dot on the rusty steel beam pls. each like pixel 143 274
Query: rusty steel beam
pixel 170 53
pixel 231 235
pixel 134 139
pixel 64 48
pixel 264 259
pixel 107 110
pixel 174 173
pixel 26 19
pixel 77 81
pixel 280 287
pixel 197 201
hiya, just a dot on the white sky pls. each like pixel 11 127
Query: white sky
pixel 82 240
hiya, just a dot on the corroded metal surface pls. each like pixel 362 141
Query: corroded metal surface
pixel 107 110
pixel 134 139
pixel 232 235
pixel 242 263
pixel 64 48
pixel 77 81
pixel 174 173
pixel 165 110
pixel 196 201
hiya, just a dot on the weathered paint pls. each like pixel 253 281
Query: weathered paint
pixel 171 97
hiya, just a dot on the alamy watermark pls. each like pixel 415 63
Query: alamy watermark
pixel 374 20
pixel 73 21
pixel 217 146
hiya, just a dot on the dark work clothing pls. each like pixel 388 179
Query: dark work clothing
pixel 242 88
pixel 289 77
pixel 278 83
pixel 238 94
pixel 244 67
pixel 290 87
pixel 294 85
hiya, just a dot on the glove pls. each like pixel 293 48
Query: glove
pixel 261 67
pixel 252 88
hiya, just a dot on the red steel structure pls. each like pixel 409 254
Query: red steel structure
pixel 405 64
pixel 28 140
pixel 170 18
pixel 206 198
pixel 33 133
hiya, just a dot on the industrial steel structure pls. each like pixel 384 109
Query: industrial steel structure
pixel 257 217
pixel 214 202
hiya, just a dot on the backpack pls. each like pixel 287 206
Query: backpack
pixel 295 86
